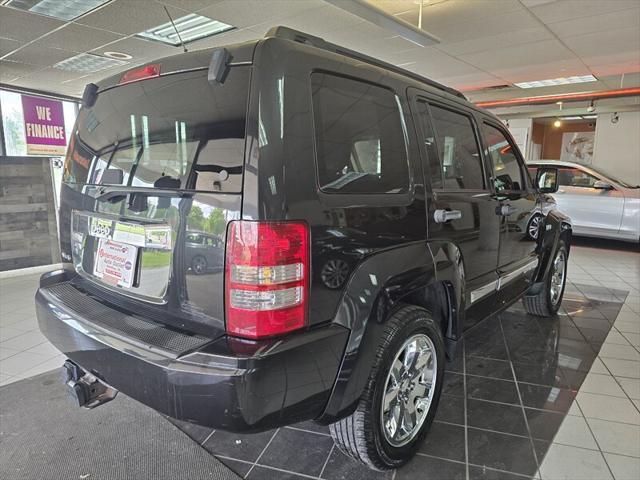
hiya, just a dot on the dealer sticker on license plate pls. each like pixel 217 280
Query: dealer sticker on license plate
pixel 115 262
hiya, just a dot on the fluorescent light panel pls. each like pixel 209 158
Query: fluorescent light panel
pixel 62 9
pixel 191 27
pixel 87 62
pixel 579 117
pixel 557 81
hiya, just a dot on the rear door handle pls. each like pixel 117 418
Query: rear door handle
pixel 443 216
pixel 506 210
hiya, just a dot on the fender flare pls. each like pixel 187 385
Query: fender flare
pixel 375 290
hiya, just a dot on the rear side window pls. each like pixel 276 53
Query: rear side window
pixel 360 139
pixel 176 131
pixel 458 150
pixel 507 175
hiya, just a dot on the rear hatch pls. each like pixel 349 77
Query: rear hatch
pixel 152 177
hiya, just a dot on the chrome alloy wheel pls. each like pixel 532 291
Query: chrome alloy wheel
pixel 557 276
pixel 534 227
pixel 408 390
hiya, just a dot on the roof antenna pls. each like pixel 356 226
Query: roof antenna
pixel 174 27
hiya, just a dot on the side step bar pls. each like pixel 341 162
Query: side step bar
pixel 85 389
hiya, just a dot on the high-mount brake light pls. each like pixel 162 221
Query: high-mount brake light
pixel 266 278
pixel 142 73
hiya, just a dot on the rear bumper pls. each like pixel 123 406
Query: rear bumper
pixel 227 383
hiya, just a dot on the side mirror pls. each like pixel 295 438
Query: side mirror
pixel 600 185
pixel 547 180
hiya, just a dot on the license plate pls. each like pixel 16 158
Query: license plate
pixel 115 262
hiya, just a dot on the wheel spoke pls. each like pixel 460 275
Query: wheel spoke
pixel 393 420
pixel 424 358
pixel 389 397
pixel 410 357
pixel 408 418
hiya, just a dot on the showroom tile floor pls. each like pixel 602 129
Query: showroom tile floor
pixel 529 398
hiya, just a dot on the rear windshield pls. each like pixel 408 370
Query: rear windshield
pixel 176 131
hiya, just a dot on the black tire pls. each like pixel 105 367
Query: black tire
pixel 543 304
pixel 534 224
pixel 360 435
pixel 199 265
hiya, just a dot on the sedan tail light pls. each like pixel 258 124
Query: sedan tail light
pixel 266 278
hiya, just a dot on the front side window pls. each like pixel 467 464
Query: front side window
pixel 507 175
pixel 458 150
pixel 360 140
pixel 575 177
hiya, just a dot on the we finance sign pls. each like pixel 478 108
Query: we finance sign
pixel 44 126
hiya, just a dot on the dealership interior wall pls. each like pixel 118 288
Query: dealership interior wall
pixel 562 75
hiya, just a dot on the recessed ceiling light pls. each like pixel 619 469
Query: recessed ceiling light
pixel 118 55
pixel 190 27
pixel 62 9
pixel 557 81
pixel 87 62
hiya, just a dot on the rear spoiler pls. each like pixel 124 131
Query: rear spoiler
pixel 216 60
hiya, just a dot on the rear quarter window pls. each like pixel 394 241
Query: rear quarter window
pixel 360 139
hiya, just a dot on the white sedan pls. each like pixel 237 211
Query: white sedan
pixel 599 205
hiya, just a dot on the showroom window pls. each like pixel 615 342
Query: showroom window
pixel 13 123
pixel 360 140
pixel 506 169
pixel 458 150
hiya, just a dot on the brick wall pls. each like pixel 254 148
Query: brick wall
pixel 28 232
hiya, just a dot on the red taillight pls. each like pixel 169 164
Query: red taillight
pixel 267 278
pixel 142 73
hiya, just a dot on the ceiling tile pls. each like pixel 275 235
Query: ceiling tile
pixel 189 5
pixel 456 12
pixel 433 63
pixel 621 81
pixel 570 9
pixel 139 49
pixel 606 42
pixel 530 72
pixel 129 16
pixel 317 21
pixel 25 26
pixel 233 36
pixel 519 55
pixel 248 13
pixel 493 42
pixel 472 81
pixel 611 66
pixel 37 54
pixel 458 30
pixel 598 23
pixel 12 70
pixel 7 46
pixel 77 38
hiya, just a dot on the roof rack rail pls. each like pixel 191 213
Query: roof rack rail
pixel 301 37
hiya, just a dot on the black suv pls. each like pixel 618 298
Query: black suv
pixel 367 217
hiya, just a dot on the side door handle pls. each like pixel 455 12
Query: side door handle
pixel 443 216
pixel 506 210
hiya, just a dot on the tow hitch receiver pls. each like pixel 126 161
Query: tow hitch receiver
pixel 85 389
